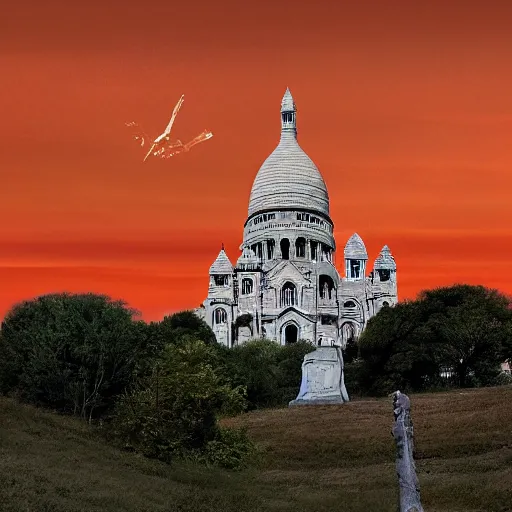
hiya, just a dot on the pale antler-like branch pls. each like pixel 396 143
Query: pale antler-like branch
pixel 138 134
pixel 167 130
pixel 196 140
pixel 165 148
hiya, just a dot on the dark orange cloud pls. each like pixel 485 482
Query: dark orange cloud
pixel 405 109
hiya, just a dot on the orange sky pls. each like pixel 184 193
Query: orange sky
pixel 405 109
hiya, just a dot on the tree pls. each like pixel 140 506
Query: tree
pixel 270 372
pixel 471 322
pixel 181 327
pixel 396 350
pixel 254 366
pixel 460 329
pixel 74 353
pixel 507 344
pixel 472 344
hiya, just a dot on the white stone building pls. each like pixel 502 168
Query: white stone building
pixel 285 286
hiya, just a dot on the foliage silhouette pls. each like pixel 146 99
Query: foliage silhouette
pixel 459 330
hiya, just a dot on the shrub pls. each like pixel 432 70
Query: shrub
pixel 173 412
pixel 270 372
pixel 254 366
pixel 353 375
pixel 231 449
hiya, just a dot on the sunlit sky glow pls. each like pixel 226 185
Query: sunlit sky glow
pixel 405 108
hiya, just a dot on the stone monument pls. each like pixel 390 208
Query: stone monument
pixel 322 376
pixel 405 467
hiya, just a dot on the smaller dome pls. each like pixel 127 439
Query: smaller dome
pixel 221 265
pixel 385 260
pixel 355 248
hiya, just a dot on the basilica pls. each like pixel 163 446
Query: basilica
pixel 286 285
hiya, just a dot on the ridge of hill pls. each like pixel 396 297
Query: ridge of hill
pixel 313 458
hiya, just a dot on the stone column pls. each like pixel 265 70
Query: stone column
pixel 405 467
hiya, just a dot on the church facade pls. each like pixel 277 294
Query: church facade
pixel 286 285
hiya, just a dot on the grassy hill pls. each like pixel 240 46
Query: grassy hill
pixel 338 458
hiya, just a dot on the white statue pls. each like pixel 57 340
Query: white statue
pixel 322 376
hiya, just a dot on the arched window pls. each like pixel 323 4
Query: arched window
pixel 326 285
pixel 355 269
pixel 384 274
pixel 314 251
pixel 349 304
pixel 348 334
pixel 257 249
pixel 285 249
pixel 287 117
pixel 221 280
pixel 291 334
pixel 270 249
pixel 325 253
pixel 220 316
pixel 288 295
pixel 300 247
pixel 247 286
pixel 385 304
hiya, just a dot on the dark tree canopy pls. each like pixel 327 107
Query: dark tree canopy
pixel 459 331
pixel 270 372
pixel 72 352
pixel 182 326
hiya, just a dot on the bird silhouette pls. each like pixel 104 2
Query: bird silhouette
pixel 163 146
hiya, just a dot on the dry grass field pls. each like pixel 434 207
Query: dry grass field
pixel 337 458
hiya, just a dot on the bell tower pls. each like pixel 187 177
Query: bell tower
pixel 288 114
pixel 355 258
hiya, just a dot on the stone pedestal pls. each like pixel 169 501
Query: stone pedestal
pixel 322 378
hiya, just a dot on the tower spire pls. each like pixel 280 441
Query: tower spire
pixel 288 114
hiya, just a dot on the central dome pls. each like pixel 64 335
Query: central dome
pixel 288 178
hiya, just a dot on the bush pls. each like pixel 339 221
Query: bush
pixel 173 412
pixel 289 370
pixel 353 376
pixel 270 372
pixel 231 449
pixel 253 365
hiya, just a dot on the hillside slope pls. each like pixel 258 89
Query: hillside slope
pixel 314 459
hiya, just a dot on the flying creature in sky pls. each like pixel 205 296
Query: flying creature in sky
pixel 163 146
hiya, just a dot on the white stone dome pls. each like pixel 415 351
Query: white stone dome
pixel 385 260
pixel 355 248
pixel 288 178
